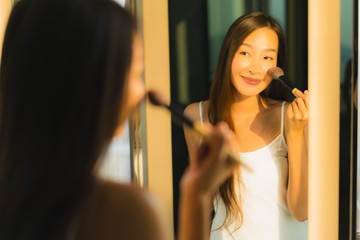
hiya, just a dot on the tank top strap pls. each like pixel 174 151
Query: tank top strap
pixel 201 113
pixel 282 117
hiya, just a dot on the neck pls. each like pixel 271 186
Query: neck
pixel 254 104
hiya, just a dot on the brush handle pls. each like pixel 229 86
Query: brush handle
pixel 283 83
pixel 199 128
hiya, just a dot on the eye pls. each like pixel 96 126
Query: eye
pixel 268 58
pixel 244 53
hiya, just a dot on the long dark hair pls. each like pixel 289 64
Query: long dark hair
pixel 62 84
pixel 222 93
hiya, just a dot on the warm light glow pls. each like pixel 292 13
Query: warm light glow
pixel 324 87
pixel 158 121
pixel 5 7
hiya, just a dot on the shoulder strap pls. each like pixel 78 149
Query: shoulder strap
pixel 201 112
pixel 282 117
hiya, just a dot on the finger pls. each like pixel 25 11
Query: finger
pixel 229 135
pixel 297 92
pixel 304 95
pixel 223 126
pixel 231 148
pixel 207 127
pixel 300 102
pixel 216 136
pixel 295 112
pixel 306 98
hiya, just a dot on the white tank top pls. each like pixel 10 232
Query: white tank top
pixel 265 216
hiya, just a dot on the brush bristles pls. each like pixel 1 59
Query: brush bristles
pixel 156 98
pixel 275 72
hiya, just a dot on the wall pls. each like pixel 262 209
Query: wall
pixel 5 6
pixel 324 75
pixel 158 122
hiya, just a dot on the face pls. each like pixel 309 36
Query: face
pixel 136 88
pixel 250 63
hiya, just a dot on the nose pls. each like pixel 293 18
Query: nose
pixel 254 67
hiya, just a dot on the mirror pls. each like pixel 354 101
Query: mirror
pixel 197 29
pixel 355 137
pixel 349 163
pixel 348 125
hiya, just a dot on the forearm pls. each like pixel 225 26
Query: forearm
pixel 297 192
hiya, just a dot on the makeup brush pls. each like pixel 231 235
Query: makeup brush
pixel 157 100
pixel 276 73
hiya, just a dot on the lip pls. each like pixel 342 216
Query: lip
pixel 251 81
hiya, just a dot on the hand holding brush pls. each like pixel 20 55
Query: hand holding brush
pixel 298 112
pixel 157 100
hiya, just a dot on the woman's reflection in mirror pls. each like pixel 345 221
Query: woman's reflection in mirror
pixel 269 202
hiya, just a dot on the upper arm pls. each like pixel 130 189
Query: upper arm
pixel 134 213
pixel 148 219
pixel 192 111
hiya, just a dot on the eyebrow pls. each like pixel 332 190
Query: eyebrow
pixel 267 49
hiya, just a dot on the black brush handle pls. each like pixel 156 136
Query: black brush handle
pixel 177 112
pixel 283 83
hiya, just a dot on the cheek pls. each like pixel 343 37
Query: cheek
pixel 268 65
pixel 238 64
pixel 136 93
pixel 268 81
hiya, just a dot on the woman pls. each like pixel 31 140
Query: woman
pixel 70 77
pixel 268 202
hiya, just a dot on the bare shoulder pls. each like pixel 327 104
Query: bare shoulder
pixel 193 111
pixel 116 210
pixel 272 117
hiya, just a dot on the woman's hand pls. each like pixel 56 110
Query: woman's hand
pixel 298 112
pixel 211 166
pixel 296 134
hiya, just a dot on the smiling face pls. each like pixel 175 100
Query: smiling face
pixel 255 56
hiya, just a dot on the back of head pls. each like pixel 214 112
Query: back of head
pixel 62 85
